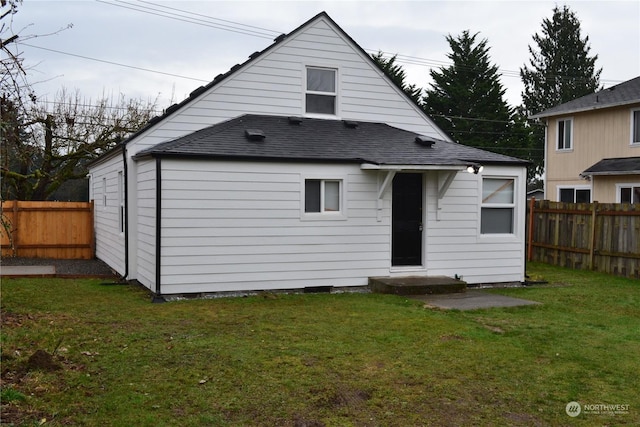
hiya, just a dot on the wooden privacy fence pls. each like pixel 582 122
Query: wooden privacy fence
pixel 62 230
pixel 595 236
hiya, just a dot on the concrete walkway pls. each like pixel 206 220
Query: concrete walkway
pixel 27 270
pixel 472 299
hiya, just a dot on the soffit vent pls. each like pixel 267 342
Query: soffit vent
pixel 425 141
pixel 350 124
pixel 254 134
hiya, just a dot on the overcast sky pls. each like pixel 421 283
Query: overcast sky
pixel 133 34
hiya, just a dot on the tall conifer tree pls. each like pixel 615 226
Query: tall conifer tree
pixel 467 101
pixel 561 68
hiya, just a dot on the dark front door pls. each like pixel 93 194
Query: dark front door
pixel 406 219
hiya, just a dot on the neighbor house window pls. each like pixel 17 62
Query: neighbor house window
pixel 321 90
pixel 635 127
pixel 565 134
pixel 322 195
pixel 575 195
pixel 629 193
pixel 498 206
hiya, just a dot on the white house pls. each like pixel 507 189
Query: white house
pixel 304 166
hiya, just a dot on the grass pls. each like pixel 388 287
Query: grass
pixel 318 359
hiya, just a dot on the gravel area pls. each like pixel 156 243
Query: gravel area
pixel 71 267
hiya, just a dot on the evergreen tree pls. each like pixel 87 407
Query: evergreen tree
pixel 466 99
pixel 561 68
pixel 398 75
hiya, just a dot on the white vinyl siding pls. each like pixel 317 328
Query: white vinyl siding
pixel 146 223
pixel 106 192
pixel 274 84
pixel 453 243
pixel 236 226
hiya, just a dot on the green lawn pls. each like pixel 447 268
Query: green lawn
pixel 319 359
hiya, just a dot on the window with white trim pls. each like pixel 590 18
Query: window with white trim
pixel 574 195
pixel 498 206
pixel 635 127
pixel 321 91
pixel 121 201
pixel 104 191
pixel 322 196
pixel 629 193
pixel 564 134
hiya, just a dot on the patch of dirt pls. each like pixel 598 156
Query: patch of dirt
pixel 341 396
pixel 42 361
pixel 17 415
pixel 300 421
pixel 451 338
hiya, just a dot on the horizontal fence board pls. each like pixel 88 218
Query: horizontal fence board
pixel 38 229
pixel 601 237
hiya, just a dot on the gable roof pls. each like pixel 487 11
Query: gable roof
pixel 615 166
pixel 196 93
pixel 320 140
pixel 622 94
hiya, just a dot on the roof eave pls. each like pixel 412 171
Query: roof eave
pixel 544 114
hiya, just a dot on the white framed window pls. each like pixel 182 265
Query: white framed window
pixel 104 191
pixel 497 211
pixel 564 134
pixel 628 193
pixel 323 198
pixel 635 127
pixel 578 194
pixel 321 92
pixel 121 202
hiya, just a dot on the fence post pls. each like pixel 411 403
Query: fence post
pixel 592 240
pixel 532 203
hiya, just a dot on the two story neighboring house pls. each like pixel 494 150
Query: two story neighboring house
pixel 592 147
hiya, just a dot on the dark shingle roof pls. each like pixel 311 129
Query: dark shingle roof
pixel 617 166
pixel 622 94
pixel 320 140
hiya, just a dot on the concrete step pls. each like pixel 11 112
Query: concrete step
pixel 416 285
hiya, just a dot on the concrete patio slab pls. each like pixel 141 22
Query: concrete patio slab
pixel 27 270
pixel 472 299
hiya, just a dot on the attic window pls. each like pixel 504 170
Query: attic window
pixel 321 90
pixel 254 134
pixel 425 141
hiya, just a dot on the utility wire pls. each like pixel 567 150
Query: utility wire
pixel 254 31
pixel 188 19
pixel 115 63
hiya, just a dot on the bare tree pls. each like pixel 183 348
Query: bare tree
pixel 43 143
pixel 55 140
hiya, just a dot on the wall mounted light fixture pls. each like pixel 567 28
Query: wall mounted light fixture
pixel 475 169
